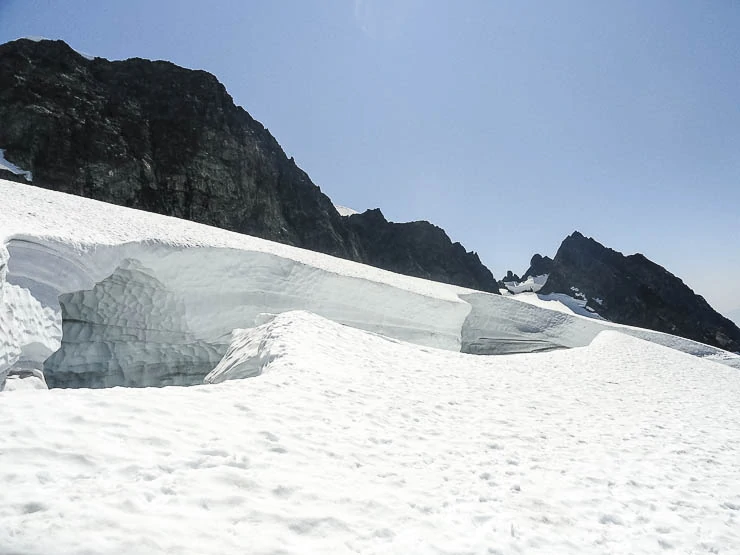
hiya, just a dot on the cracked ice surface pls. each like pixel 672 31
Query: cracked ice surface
pixel 349 442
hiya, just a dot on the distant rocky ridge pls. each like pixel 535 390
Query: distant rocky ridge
pixel 539 265
pixel 418 249
pixel 633 290
pixel 162 138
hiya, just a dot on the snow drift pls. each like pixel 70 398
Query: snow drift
pixel 99 295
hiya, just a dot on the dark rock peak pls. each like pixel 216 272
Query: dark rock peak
pixel 636 291
pixel 159 137
pixel 578 241
pixel 371 215
pixel 538 266
pixel 511 276
pixel 420 249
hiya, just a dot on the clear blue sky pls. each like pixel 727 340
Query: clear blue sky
pixel 509 124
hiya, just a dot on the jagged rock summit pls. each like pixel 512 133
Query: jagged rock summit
pixel 538 266
pixel 158 137
pixel 633 290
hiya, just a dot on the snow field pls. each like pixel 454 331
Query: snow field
pixel 349 442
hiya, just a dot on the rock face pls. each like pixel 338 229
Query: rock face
pixel 633 290
pixel 509 277
pixel 419 249
pixel 158 137
pixel 538 266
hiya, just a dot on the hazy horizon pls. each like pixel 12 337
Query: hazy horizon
pixel 509 126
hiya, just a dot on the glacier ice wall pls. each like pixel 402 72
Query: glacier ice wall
pixel 496 326
pixel 128 330
pixel 145 313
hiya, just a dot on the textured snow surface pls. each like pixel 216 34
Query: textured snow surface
pixel 29 332
pixel 352 443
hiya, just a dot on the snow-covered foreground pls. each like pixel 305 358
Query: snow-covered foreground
pixel 98 295
pixel 351 442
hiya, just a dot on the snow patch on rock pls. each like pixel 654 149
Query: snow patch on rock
pixel 532 284
pixel 344 211
pixel 12 168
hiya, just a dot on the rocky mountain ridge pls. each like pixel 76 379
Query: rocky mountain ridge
pixel 158 137
pixel 633 290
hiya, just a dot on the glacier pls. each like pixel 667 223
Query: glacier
pixel 97 295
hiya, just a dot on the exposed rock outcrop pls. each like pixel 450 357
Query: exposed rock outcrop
pixel 636 291
pixel 510 276
pixel 162 138
pixel 418 249
pixel 538 266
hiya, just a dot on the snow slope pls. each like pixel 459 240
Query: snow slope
pixel 560 302
pixel 144 299
pixel 353 443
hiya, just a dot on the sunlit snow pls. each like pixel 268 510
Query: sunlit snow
pixel 345 431
pixel 349 442
pixel 344 211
